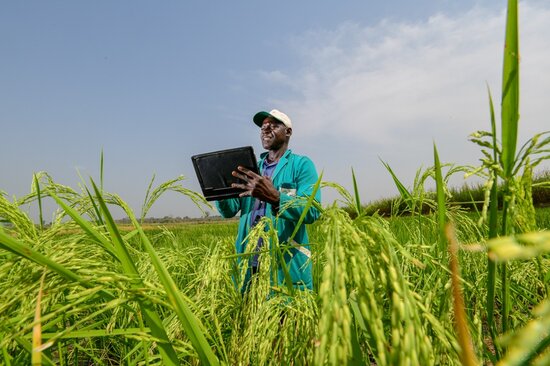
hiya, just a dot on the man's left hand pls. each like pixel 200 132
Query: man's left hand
pixel 256 186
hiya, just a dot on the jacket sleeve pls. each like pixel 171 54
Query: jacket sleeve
pixel 291 208
pixel 229 207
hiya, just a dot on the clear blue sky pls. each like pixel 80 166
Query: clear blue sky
pixel 152 83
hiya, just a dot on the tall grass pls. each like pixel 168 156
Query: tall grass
pixel 517 214
pixel 381 297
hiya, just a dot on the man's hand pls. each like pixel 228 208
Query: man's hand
pixel 256 186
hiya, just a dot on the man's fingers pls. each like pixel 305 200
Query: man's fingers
pixel 238 185
pixel 247 191
pixel 248 175
pixel 248 172
pixel 239 175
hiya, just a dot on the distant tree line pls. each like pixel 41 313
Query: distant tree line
pixel 469 197
pixel 172 219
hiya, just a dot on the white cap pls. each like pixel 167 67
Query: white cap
pixel 278 115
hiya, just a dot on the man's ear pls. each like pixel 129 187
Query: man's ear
pixel 289 131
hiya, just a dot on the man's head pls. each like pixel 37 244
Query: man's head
pixel 275 129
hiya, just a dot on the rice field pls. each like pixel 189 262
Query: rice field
pixel 442 287
pixel 383 294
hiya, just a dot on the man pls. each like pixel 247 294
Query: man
pixel 278 193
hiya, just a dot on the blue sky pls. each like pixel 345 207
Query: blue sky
pixel 153 83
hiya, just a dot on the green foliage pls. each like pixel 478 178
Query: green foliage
pixel 469 196
pixel 382 293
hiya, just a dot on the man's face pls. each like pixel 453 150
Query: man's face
pixel 274 134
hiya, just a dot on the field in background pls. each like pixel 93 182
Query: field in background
pixel 224 227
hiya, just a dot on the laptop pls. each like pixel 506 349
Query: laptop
pixel 214 171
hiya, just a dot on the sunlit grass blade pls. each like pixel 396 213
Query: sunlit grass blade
pixel 405 194
pixel 510 89
pixel 510 118
pixel 441 210
pixel 467 355
pixel 39 198
pixel 493 231
pixel 307 206
pixel 356 192
pixel 36 357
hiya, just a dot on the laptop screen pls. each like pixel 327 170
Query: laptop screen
pixel 214 169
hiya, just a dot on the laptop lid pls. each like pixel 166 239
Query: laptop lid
pixel 214 169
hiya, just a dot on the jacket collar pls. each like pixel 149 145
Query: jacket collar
pixel 282 161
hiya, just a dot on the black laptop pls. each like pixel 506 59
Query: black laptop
pixel 214 171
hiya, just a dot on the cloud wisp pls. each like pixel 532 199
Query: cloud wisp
pixel 397 81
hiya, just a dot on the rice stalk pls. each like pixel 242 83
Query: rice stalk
pixel 493 232
pixel 356 194
pixel 23 250
pixel 118 249
pixel 190 323
pixel 441 210
pixel 467 354
pixel 36 358
pixel 510 118
pixel 39 198
pixel 171 185
pixel 335 322
pixel 22 224
pixel 510 90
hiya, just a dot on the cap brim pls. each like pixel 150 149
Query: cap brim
pixel 259 118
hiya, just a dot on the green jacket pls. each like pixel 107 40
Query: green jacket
pixel 294 176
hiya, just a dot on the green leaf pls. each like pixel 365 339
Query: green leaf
pixel 356 191
pixel 39 197
pixel 407 197
pixel 441 210
pixel 87 227
pixel 96 333
pixel 510 89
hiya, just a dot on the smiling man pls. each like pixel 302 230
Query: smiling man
pixel 279 193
